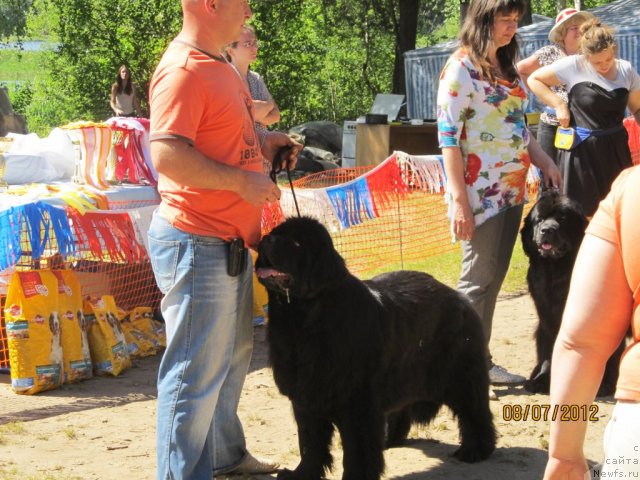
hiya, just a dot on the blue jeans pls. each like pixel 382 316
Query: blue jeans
pixel 209 346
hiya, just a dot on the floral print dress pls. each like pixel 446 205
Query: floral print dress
pixel 546 56
pixel 487 122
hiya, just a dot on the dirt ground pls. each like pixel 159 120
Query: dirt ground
pixel 104 428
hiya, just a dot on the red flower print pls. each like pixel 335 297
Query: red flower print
pixel 473 169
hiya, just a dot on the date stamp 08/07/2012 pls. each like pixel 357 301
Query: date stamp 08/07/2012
pixel 543 412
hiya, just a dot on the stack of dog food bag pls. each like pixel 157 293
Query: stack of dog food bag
pixel 56 337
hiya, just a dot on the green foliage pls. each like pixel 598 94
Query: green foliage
pixel 48 108
pixel 13 15
pixel 21 96
pixel 25 76
pixel 328 64
pixel 549 8
pixel 95 37
pixel 321 59
pixel 42 20
pixel 441 22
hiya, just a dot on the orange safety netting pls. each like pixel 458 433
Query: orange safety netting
pixel 412 226
pixel 401 218
pixel 633 129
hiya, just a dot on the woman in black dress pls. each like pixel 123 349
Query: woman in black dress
pixel 601 87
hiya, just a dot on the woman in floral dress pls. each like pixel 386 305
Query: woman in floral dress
pixel 565 38
pixel 487 151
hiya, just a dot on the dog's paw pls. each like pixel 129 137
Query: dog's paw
pixel 296 474
pixel 473 454
pixel 395 443
pixel 287 474
pixel 539 384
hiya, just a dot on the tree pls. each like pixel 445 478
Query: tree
pixel 13 15
pixel 321 59
pixel 406 30
pixel 95 37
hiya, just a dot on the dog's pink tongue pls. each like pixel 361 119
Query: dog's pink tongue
pixel 267 272
pixel 547 246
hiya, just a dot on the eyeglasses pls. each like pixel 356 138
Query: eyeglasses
pixel 255 43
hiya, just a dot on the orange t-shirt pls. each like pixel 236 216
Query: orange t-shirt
pixel 201 99
pixel 617 222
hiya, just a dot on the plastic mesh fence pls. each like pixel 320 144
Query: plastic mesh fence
pixel 634 139
pixel 411 225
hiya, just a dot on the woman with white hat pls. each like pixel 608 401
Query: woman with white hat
pixel 565 38
pixel 601 88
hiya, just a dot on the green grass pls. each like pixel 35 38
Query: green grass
pixel 446 268
pixel 19 66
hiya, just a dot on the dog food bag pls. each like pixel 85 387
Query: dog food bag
pixel 75 344
pixel 260 298
pixel 160 330
pixel 139 344
pixel 109 351
pixel 142 319
pixel 34 333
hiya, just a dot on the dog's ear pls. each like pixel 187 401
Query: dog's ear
pixel 526 235
pixel 329 265
pixel 324 267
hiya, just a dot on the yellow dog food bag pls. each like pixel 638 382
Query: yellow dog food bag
pixel 139 344
pixel 143 345
pixel 160 330
pixel 109 351
pixel 34 333
pixel 260 298
pixel 75 343
pixel 142 319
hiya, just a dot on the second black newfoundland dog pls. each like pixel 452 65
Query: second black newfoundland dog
pixel 369 358
pixel 551 236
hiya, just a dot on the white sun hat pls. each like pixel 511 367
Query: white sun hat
pixel 561 19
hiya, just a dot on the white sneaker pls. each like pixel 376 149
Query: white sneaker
pixel 492 394
pixel 499 376
pixel 251 468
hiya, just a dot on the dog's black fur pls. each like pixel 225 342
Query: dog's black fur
pixel 551 236
pixel 369 356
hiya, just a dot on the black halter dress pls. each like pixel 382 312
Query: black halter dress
pixel 589 169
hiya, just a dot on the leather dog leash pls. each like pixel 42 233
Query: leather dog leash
pixel 277 160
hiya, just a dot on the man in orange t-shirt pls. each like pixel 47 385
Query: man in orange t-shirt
pixel 205 149
pixel 604 300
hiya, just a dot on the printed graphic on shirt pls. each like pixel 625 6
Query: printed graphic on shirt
pixel 251 154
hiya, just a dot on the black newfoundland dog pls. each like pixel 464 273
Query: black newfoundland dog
pixel 551 236
pixel 369 358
